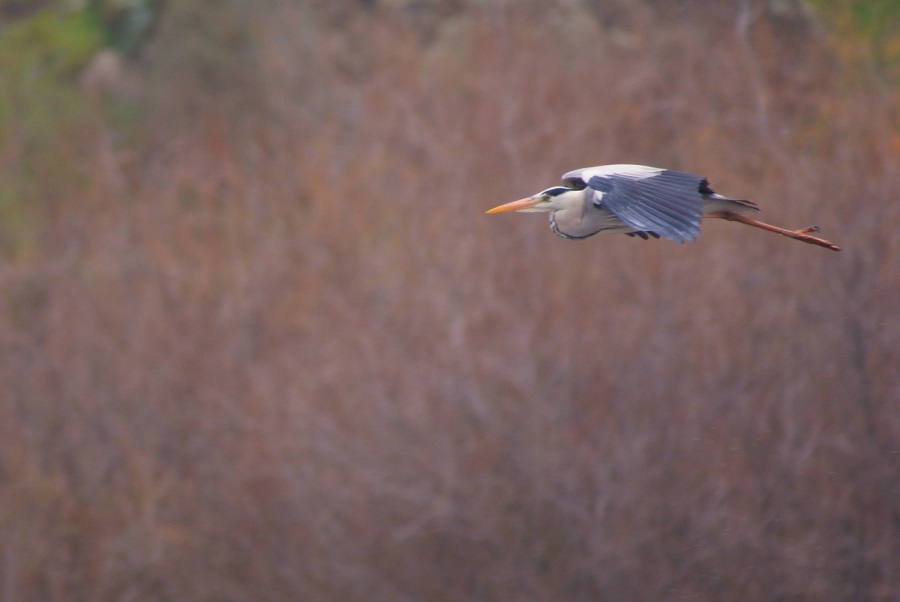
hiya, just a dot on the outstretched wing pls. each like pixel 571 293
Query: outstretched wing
pixel 647 199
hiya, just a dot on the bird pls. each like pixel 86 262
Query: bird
pixel 642 201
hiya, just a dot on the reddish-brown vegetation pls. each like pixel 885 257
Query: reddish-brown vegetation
pixel 270 348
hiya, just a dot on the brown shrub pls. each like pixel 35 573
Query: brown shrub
pixel 284 355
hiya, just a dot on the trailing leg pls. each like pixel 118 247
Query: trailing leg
pixel 803 234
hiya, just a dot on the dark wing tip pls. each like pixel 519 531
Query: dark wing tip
pixel 645 234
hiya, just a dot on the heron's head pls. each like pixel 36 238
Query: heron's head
pixel 552 199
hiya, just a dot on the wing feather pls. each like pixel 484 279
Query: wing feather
pixel 666 202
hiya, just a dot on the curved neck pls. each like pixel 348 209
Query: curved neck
pixel 579 218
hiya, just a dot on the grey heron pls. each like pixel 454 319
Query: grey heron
pixel 643 201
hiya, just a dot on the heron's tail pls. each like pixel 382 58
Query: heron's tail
pixel 716 203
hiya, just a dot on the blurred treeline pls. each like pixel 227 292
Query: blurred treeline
pixel 259 342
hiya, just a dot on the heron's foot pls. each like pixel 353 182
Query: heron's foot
pixel 804 235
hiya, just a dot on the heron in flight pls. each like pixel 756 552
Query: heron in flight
pixel 641 201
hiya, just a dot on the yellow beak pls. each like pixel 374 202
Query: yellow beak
pixel 514 206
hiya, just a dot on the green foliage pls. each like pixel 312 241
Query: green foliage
pixel 42 110
pixel 875 19
pixel 127 23
pixel 869 26
pixel 57 43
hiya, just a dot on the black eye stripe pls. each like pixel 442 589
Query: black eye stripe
pixel 555 191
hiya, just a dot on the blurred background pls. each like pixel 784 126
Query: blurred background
pixel 258 340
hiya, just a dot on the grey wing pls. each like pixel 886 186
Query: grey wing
pixel 668 203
